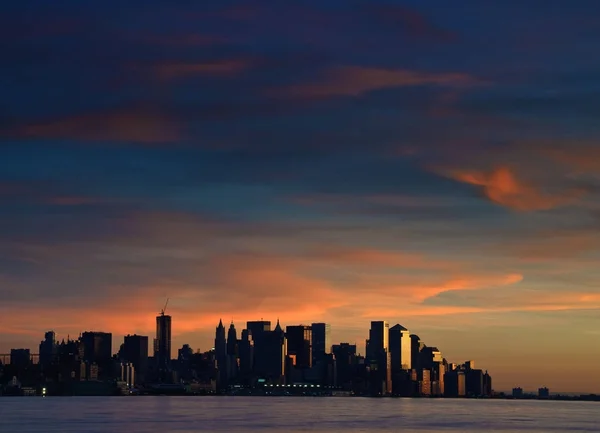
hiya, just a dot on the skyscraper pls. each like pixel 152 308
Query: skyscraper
pixel 400 348
pixel 97 346
pixel 232 352
pixel 378 356
pixel 321 340
pixel 48 349
pixel 221 352
pixel 270 353
pixel 246 350
pixel 299 343
pixel 415 347
pixel 257 330
pixel 162 346
pixel 135 352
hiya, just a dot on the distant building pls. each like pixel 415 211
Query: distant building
pixel 543 393
pixel 469 365
pixel 162 347
pixel 299 343
pixel 400 348
pixel 345 358
pixel 415 347
pixel 246 351
pixel 438 373
pixel 475 383
pixel 20 358
pixel 270 356
pixel 135 352
pixel 232 353
pixel 321 340
pixel 425 383
pixel 128 374
pixel 517 393
pixel 378 358
pixel 221 354
pixel 257 330
pixel 454 383
pixel 48 349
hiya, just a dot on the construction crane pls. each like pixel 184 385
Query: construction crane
pixel 162 312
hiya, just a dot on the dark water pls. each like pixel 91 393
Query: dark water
pixel 287 414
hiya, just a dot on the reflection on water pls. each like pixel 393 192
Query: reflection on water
pixel 272 414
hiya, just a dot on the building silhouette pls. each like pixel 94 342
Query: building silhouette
pixel 400 348
pixel 162 347
pixel 378 358
pixel 346 362
pixel 299 344
pixel 321 340
pixel 20 358
pixel 232 353
pixel 135 352
pixel 96 349
pixel 246 353
pixel 270 356
pixel 48 350
pixel 221 353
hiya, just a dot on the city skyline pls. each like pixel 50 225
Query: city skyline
pixel 332 161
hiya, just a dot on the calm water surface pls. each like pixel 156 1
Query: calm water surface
pixel 287 414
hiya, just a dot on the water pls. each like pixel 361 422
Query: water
pixel 288 414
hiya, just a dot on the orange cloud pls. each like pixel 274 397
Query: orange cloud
pixel 123 125
pixel 356 80
pixel 502 187
pixel 181 70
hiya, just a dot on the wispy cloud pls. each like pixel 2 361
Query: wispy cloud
pixel 357 80
pixel 502 187
pixel 134 125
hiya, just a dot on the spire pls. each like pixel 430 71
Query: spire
pixel 221 323
pixel 278 327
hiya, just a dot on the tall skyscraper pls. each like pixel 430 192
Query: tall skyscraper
pixel 270 353
pixel 321 340
pixel 258 329
pixel 299 343
pixel 378 356
pixel 246 350
pixel 400 348
pixel 345 357
pixel 48 349
pixel 135 352
pixel 415 347
pixel 221 352
pixel 232 352
pixel 162 346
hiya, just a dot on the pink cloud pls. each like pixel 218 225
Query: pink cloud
pixel 356 80
pixel 138 125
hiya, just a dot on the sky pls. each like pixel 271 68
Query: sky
pixel 429 163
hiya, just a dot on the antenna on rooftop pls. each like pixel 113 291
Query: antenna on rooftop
pixel 162 312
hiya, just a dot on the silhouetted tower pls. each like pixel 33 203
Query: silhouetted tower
pixel 299 343
pixel 400 348
pixel 232 352
pixel 321 340
pixel 48 349
pixel 135 352
pixel 246 349
pixel 221 353
pixel 378 357
pixel 162 345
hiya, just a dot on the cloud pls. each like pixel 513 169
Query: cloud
pixel 134 125
pixel 356 80
pixel 411 21
pixel 171 71
pixel 502 187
